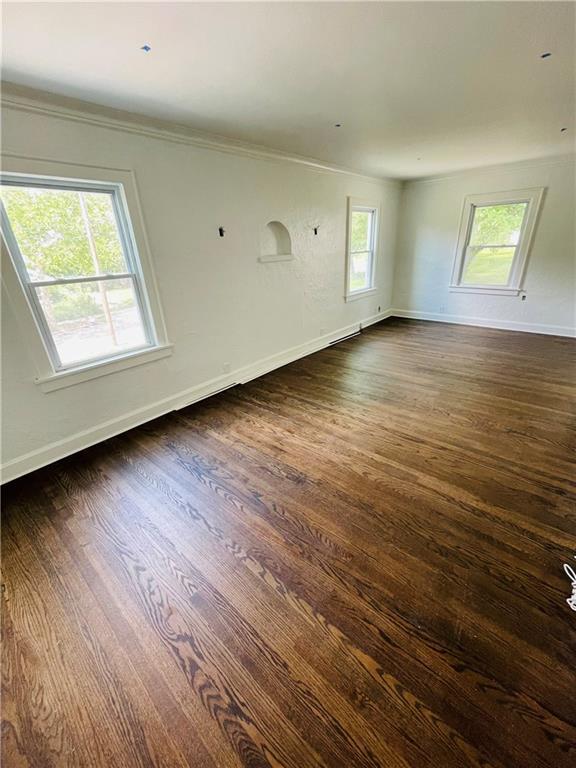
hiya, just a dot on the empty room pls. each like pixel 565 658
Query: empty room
pixel 288 384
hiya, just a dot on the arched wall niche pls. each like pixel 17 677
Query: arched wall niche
pixel 276 244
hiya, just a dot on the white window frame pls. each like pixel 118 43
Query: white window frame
pixel 355 204
pixel 533 198
pixel 50 373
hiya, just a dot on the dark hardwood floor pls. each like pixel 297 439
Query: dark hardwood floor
pixel 355 561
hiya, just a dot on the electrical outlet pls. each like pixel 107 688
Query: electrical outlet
pixel 442 308
pixel 226 368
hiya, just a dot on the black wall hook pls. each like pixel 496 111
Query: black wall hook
pixel 221 231
pixel 316 229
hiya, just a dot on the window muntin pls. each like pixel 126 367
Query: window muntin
pixel 493 243
pixel 361 248
pixel 72 247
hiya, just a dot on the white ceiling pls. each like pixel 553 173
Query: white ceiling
pixel 420 88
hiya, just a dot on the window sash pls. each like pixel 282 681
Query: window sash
pixel 81 279
pixel 131 260
pixel 370 250
pixel 370 229
pixel 469 250
pixel 360 253
pixel 478 247
pixel 470 254
pixel 369 269
pixel 532 198
pixel 87 361
pixel 363 250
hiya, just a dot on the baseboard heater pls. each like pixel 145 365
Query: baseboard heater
pixel 236 383
pixel 208 394
pixel 343 338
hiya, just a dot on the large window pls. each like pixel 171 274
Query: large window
pixel 72 247
pixel 362 238
pixel 495 236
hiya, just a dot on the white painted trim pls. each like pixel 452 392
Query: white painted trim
pixel 360 294
pixel 71 376
pixel 483 322
pixel 533 199
pixel 353 203
pixel 276 257
pixel 30 100
pixel 84 439
pixel 376 318
pixel 521 165
pixel 133 220
pixel 495 291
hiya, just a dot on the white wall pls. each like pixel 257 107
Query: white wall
pixel 221 306
pixel 428 232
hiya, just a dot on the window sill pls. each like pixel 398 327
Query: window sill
pixel 276 257
pixel 72 376
pixel 360 294
pixel 495 290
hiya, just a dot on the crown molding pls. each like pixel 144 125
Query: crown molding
pixel 537 162
pixel 33 101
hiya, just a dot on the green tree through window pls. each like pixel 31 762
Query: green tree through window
pixel 51 234
pixel 81 283
pixel 492 245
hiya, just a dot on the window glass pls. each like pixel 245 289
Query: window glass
pixel 488 266
pixel 361 249
pixel 64 233
pixel 361 230
pixel 359 271
pixel 494 236
pixel 92 319
pixel 82 284
pixel 497 224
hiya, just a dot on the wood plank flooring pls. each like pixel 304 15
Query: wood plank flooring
pixel 352 562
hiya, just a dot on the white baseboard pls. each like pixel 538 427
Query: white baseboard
pixel 504 325
pixel 80 440
pixel 376 318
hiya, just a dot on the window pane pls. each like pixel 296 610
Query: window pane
pixel 63 233
pixel 94 319
pixel 361 230
pixel 360 270
pixel 488 266
pixel 498 224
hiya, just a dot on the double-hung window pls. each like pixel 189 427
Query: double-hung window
pixel 495 235
pixel 362 239
pixel 73 249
